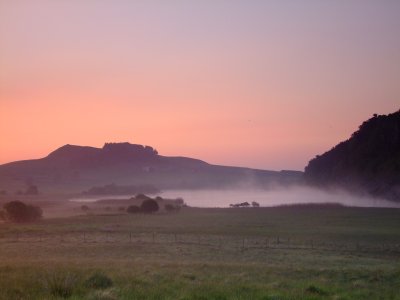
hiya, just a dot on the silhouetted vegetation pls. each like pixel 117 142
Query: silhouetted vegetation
pixel 368 161
pixel 99 281
pixel 243 204
pixel 149 206
pixel 255 204
pixel 60 284
pixel 17 211
pixel 85 208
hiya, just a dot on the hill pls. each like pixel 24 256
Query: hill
pixel 368 162
pixel 77 168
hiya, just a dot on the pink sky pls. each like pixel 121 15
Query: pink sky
pixel 248 83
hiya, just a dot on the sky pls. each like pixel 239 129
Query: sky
pixel 262 84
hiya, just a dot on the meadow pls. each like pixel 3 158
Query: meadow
pixel 310 252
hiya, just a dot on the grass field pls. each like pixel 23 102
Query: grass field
pixel 265 253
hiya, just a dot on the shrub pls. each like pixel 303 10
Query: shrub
pixel 60 284
pixel 149 206
pixel 99 281
pixel 85 208
pixel 121 208
pixel 315 290
pixel 133 209
pixel 255 204
pixel 17 211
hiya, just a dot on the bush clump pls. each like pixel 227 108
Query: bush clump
pixel 316 290
pixel 99 280
pixel 60 284
pixel 17 211
pixel 149 206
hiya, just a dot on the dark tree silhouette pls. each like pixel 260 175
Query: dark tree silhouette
pixel 369 161
pixel 17 211
pixel 149 206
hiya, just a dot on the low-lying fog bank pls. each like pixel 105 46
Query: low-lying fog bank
pixel 274 197
pixel 266 198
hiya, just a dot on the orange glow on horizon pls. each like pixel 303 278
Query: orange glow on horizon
pixel 259 85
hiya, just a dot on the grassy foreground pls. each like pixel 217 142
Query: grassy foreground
pixel 266 253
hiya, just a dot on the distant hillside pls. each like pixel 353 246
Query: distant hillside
pixel 77 168
pixel 367 162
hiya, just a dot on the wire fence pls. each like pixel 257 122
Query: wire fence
pixel 232 242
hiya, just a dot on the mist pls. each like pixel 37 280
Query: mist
pixel 274 197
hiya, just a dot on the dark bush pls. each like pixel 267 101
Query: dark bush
pixel 133 209
pixel 315 290
pixel 149 206
pixel 99 281
pixel 17 211
pixel 121 208
pixel 243 204
pixel 85 208
pixel 60 284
